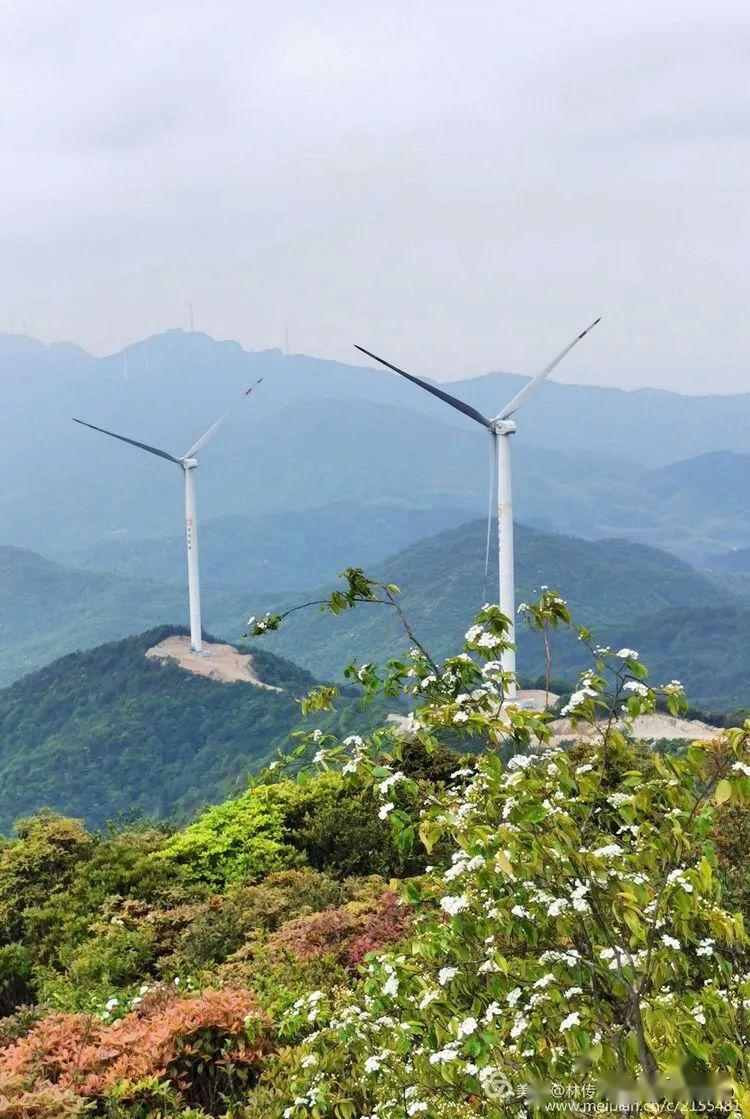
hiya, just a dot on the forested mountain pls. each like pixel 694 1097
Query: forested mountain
pixel 721 476
pixel 109 731
pixel 686 622
pixel 705 646
pixel 48 609
pixel 278 551
pixel 318 432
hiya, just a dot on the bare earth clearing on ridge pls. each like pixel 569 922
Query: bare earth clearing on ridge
pixel 648 728
pixel 219 662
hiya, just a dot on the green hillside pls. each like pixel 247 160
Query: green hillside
pixel 281 550
pixel 706 647
pixel 617 587
pixel 107 731
pixel 48 609
pixel 625 592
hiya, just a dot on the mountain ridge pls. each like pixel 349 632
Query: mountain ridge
pixel 165 391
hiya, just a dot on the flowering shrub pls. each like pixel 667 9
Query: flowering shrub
pixel 576 930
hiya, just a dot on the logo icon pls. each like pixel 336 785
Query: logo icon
pixel 496 1085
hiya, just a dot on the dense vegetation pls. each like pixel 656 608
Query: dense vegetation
pixel 108 732
pixel 289 954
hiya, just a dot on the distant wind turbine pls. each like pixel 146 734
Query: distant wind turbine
pixel 188 463
pixel 500 429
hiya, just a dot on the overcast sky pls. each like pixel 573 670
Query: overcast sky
pixel 459 185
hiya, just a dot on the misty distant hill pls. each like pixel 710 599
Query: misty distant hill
pixel 277 551
pixel 319 433
pixel 737 561
pixel 720 477
pixel 48 609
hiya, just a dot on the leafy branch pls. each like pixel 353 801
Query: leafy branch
pixel 359 590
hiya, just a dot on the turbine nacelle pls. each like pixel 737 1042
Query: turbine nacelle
pixel 188 463
pixel 503 427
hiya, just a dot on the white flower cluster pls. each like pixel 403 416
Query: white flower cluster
pixel 618 799
pixel 578 698
pixel 309 1003
pixel 454 905
pixel 477 635
pixel 260 624
pixel 608 851
pixel 636 687
pixel 387 784
pixel 679 877
pixel 357 746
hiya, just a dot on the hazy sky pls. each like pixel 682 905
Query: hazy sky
pixel 460 185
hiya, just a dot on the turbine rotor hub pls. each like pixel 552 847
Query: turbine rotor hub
pixel 189 463
pixel 503 427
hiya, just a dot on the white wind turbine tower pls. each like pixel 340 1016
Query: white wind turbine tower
pixel 188 463
pixel 500 428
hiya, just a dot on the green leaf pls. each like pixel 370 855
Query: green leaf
pixel 429 833
pixel 504 863
pixel 723 791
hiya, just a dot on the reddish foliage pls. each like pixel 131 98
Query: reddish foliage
pixel 167 1036
pixel 387 924
pixel 348 933
pixel 44 1101
pixel 731 834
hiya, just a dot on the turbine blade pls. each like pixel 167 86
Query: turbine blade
pixel 133 442
pixel 452 400
pixel 514 404
pixel 217 424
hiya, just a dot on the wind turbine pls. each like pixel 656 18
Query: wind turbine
pixel 500 428
pixel 188 463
